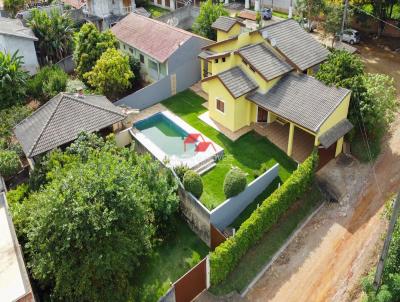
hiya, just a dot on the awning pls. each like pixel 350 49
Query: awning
pixel 336 132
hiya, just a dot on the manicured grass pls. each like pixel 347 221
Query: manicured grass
pixel 249 152
pixel 280 15
pixel 156 11
pixel 170 261
pixel 255 259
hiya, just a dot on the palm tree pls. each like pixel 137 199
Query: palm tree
pixel 54 32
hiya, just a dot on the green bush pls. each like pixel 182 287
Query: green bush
pixel 235 182
pixel 180 171
pixel 17 195
pixel 227 255
pixel 47 83
pixel 9 163
pixel 193 183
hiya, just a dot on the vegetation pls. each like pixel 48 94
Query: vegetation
pixel 193 183
pixel 135 66
pixel 9 163
pixel 13 6
pixel 111 75
pixel 108 208
pixel 180 171
pixel 55 34
pixel 235 182
pixel 47 83
pixel 209 12
pixel 12 79
pixel 168 262
pixel 248 153
pixel 155 11
pixel 310 9
pixel 389 291
pixel 227 255
pixel 373 102
pixel 89 46
pixel 333 21
pixel 264 249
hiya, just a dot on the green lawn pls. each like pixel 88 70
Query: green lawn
pixel 255 259
pixel 156 11
pixel 248 152
pixel 280 15
pixel 170 261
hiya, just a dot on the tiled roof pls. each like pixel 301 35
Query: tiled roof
pixel 301 99
pixel 336 132
pixel 14 27
pixel 237 82
pixel 264 61
pixel 225 23
pixel 154 38
pixel 208 54
pixel 295 43
pixel 61 119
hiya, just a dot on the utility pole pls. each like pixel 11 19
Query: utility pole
pixel 385 250
pixel 346 4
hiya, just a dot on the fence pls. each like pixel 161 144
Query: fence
pixel 149 95
pixel 184 15
pixel 190 285
pixel 216 237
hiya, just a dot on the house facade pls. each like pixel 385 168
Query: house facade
pixel 14 36
pixel 265 77
pixel 161 49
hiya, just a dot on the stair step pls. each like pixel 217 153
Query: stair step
pixel 204 168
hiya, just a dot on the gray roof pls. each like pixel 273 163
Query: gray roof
pixel 301 99
pixel 264 61
pixel 208 54
pixel 237 82
pixel 14 27
pixel 295 43
pixel 336 132
pixel 61 119
pixel 225 23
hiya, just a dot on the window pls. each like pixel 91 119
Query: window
pixel 216 60
pixel 223 60
pixel 131 50
pixel 141 58
pixel 220 105
pixel 153 65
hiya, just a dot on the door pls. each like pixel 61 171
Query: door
pixel 325 155
pixel 262 115
pixel 167 3
pixel 127 6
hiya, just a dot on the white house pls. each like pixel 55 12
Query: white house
pixel 14 36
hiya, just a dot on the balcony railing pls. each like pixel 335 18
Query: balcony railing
pixel 127 9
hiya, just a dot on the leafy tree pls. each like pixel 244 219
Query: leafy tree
pixel 333 20
pixel 9 163
pixel 111 75
pixel 11 116
pixel 94 219
pixel 48 82
pixel 135 68
pixel 14 6
pixel 310 9
pixel 55 34
pixel 209 12
pixel 12 79
pixel 89 46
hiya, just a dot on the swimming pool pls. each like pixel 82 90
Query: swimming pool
pixel 167 135
pixel 163 134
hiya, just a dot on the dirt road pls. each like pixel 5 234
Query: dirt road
pixel 341 242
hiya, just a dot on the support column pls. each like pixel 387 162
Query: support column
pixel 290 140
pixel 133 4
pixel 172 4
pixel 339 146
pixel 257 5
pixel 316 141
pixel 226 2
pixel 247 4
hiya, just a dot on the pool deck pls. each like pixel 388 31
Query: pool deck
pixel 214 151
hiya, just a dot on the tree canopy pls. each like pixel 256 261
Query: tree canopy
pixel 112 73
pixel 89 46
pixel 209 12
pixel 98 212
pixel 14 6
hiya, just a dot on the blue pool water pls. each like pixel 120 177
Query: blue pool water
pixel 167 135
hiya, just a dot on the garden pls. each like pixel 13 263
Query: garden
pixel 251 153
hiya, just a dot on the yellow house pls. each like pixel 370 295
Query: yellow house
pixel 264 78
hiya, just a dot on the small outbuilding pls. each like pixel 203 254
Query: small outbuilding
pixel 60 121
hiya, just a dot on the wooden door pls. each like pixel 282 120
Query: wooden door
pixel 262 115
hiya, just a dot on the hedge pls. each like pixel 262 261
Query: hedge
pixel 228 254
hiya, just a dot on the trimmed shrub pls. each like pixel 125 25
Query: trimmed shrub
pixel 193 183
pixel 227 255
pixel 180 171
pixel 9 163
pixel 235 182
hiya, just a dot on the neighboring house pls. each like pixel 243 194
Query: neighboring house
pixel 60 120
pixel 14 36
pixel 162 49
pixel 264 77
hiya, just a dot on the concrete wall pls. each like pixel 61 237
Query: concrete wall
pixel 26 49
pixel 227 212
pixel 278 5
pixel 67 64
pixel 185 15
